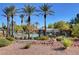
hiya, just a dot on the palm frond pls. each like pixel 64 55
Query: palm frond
pixel 13 10
pixel 6 11
pixel 28 9
pixel 46 9
pixel 22 15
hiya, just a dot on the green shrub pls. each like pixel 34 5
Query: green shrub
pixel 59 38
pixel 10 38
pixel 75 30
pixel 36 38
pixel 67 42
pixel 4 42
pixel 43 38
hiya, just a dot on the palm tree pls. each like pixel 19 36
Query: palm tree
pixel 29 10
pixel 7 14
pixel 22 18
pixel 13 11
pixel 3 28
pixel 46 10
pixel 36 23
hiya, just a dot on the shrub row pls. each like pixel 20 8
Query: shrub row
pixel 6 41
pixel 41 38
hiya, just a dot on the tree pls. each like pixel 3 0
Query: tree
pixel 50 26
pixel 75 20
pixel 61 25
pixel 7 13
pixel 27 28
pixel 18 28
pixel 22 18
pixel 13 11
pixel 75 30
pixel 29 10
pixel 75 26
pixel 46 10
pixel 24 28
pixel 36 23
pixel 3 28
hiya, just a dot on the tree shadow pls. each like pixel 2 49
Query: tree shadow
pixel 59 49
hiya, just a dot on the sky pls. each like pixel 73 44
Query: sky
pixel 63 11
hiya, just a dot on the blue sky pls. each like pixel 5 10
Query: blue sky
pixel 63 11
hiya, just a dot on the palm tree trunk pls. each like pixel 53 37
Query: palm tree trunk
pixel 28 34
pixel 29 19
pixel 9 26
pixel 39 32
pixel 29 25
pixel 3 33
pixel 22 25
pixel 3 29
pixel 12 27
pixel 7 33
pixel 44 24
pixel 21 21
